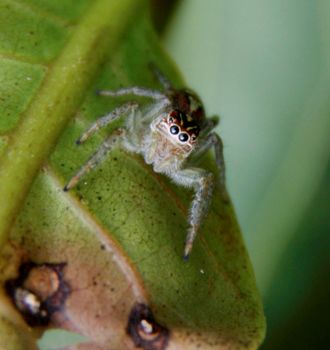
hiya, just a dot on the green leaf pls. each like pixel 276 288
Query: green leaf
pixel 74 63
pixel 121 232
pixel 59 339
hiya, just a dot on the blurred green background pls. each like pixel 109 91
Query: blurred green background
pixel 263 66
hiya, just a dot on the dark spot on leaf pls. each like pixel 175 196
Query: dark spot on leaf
pixel 38 291
pixel 145 332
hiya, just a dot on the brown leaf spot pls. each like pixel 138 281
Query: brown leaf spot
pixel 38 291
pixel 145 332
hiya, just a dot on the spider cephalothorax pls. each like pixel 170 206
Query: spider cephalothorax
pixel 179 129
pixel 188 112
pixel 184 120
pixel 183 125
pixel 167 133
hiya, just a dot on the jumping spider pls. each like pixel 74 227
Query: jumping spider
pixel 170 134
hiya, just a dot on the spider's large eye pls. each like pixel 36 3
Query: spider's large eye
pixel 174 129
pixel 183 137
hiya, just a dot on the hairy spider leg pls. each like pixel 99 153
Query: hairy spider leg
pixel 109 143
pixel 216 141
pixel 106 120
pixel 213 140
pixel 208 126
pixel 202 182
pixel 161 77
pixel 134 90
pixel 152 110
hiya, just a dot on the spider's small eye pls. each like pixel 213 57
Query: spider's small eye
pixel 174 129
pixel 183 137
pixel 193 137
pixel 172 116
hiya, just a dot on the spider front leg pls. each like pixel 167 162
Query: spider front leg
pixel 110 142
pixel 107 119
pixel 213 140
pixel 107 145
pixel 134 90
pixel 202 182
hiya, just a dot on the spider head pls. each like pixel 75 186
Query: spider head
pixel 183 121
pixel 181 127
